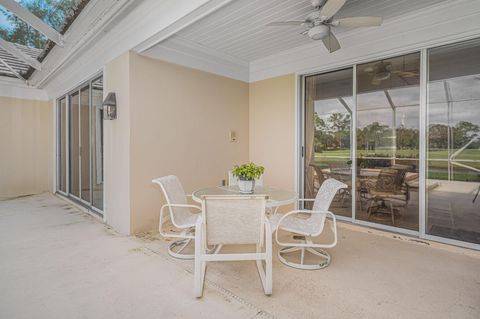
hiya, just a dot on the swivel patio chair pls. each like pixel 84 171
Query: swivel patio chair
pixel 306 229
pixel 233 181
pixel 319 177
pixel 181 215
pixel 342 172
pixel 386 192
pixel 233 220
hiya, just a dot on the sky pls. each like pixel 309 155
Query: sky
pixel 465 94
pixel 3 20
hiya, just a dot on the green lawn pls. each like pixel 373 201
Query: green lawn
pixel 470 154
pixel 436 169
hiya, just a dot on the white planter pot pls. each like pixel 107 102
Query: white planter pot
pixel 246 187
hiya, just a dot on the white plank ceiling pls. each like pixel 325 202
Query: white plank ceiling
pixel 238 30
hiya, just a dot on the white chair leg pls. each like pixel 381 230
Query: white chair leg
pixel 200 265
pixel 266 274
pixel 268 264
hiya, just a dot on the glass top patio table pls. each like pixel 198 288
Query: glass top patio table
pixel 276 197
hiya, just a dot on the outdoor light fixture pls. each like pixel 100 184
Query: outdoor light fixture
pixel 110 107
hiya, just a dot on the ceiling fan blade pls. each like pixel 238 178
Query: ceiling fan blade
pixel 354 22
pixel 283 23
pixel 331 42
pixel 330 8
pixel 406 73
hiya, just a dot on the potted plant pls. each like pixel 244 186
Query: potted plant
pixel 246 174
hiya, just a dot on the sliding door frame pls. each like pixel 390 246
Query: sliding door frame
pixel 58 142
pixel 92 179
pixel 423 144
pixel 67 96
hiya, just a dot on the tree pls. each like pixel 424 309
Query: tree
pixel 374 135
pixel 463 132
pixel 52 12
pixel 438 136
pixel 340 124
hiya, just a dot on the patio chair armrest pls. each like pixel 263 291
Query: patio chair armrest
pixel 182 205
pixel 162 210
pixel 190 199
pixel 333 227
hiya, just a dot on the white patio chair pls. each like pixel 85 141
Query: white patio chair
pixel 233 220
pixel 307 228
pixel 181 215
pixel 233 180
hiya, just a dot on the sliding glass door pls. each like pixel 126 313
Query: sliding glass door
pixel 388 103
pixel 328 120
pixel 62 145
pixel 453 185
pixel 74 143
pixel 364 125
pixel 85 144
pixel 80 145
pixel 97 143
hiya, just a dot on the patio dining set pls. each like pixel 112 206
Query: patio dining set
pixel 382 190
pixel 222 216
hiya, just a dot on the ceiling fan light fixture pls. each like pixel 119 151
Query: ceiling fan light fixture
pixel 318 32
pixel 382 76
pixel 317 3
pixel 320 22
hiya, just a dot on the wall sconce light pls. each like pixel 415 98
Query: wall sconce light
pixel 110 107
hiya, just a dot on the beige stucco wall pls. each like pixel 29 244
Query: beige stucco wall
pixel 272 129
pixel 26 143
pixel 180 123
pixel 117 146
pixel 176 120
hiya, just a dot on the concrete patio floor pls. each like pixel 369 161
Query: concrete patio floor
pixel 59 262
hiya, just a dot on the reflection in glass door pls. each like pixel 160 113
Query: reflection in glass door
pixel 328 114
pixel 453 157
pixel 388 103
pixel 80 145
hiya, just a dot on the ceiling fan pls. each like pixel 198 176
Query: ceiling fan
pixel 321 21
pixel 381 71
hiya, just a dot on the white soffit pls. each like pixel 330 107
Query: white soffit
pixel 13 87
pixel 197 56
pixel 109 29
pixel 235 36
